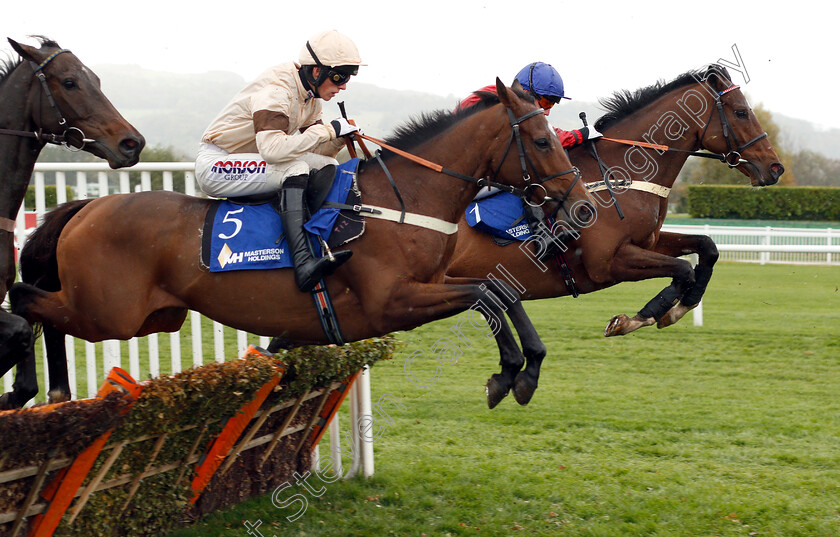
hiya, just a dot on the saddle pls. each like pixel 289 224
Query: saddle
pixel 246 232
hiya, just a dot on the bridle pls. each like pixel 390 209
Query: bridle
pixel 733 157
pixel 72 138
pixel 525 161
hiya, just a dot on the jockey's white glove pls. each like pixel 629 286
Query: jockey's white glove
pixel 589 133
pixel 342 127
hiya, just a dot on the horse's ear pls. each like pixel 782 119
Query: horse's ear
pixel 25 51
pixel 517 86
pixel 503 92
pixel 718 77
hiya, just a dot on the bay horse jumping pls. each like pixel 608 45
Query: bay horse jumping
pixel 665 124
pixel 129 264
pixel 47 96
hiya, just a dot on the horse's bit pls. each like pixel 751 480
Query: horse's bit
pixel 72 138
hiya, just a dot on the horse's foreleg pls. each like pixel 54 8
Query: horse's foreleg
pixel 633 263
pixel 423 303
pixel 17 346
pixel 676 244
pixel 526 380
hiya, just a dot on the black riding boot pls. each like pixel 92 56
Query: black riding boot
pixel 308 270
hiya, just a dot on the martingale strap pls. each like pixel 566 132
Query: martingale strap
pixel 642 186
pixel 401 217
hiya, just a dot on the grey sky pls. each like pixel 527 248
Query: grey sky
pixel 452 48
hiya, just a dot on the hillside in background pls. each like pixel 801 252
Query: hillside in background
pixel 173 109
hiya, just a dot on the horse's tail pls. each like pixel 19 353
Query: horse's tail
pixel 38 263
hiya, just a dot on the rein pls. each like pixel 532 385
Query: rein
pixel 72 138
pixel 524 160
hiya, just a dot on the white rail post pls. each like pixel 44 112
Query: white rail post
pixel 764 255
pixel 110 355
pixel 197 347
pixel 70 351
pixel 697 313
pixel 367 447
pixel 90 363
pixel 335 445
pixel 219 341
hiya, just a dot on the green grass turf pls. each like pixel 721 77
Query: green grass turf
pixel 731 428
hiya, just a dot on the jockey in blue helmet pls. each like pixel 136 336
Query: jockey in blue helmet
pixel 546 85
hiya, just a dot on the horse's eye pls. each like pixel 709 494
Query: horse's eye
pixel 741 114
pixel 543 143
pixel 69 83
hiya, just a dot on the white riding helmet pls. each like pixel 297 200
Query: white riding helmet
pixel 330 49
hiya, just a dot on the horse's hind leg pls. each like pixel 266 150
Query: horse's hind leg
pixel 633 263
pixel 57 362
pixel 26 301
pixel 17 346
pixel 676 244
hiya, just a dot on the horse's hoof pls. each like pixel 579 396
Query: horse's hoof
pixel 621 325
pixel 57 396
pixel 617 326
pixel 5 403
pixel 523 389
pixel 496 390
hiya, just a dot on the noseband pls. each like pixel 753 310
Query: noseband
pixel 72 138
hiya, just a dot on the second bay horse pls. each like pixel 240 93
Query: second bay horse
pixel 670 121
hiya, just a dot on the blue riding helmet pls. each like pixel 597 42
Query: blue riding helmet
pixel 542 79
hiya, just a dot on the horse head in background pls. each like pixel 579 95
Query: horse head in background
pixel 47 96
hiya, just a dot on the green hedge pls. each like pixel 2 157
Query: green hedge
pixel 774 202
pixel 201 396
pixel 49 194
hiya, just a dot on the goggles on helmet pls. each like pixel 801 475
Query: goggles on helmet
pixel 341 74
pixel 547 101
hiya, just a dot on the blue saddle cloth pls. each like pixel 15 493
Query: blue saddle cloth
pixel 245 237
pixel 501 215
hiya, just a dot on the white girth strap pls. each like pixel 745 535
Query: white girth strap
pixel 428 222
pixel 644 186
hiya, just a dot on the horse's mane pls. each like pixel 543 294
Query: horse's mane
pixel 427 125
pixel 9 64
pixel 623 103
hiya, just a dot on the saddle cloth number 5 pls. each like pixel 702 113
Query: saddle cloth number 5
pixel 228 219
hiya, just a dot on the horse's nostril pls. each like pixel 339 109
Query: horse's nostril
pixel 131 146
pixel 777 169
